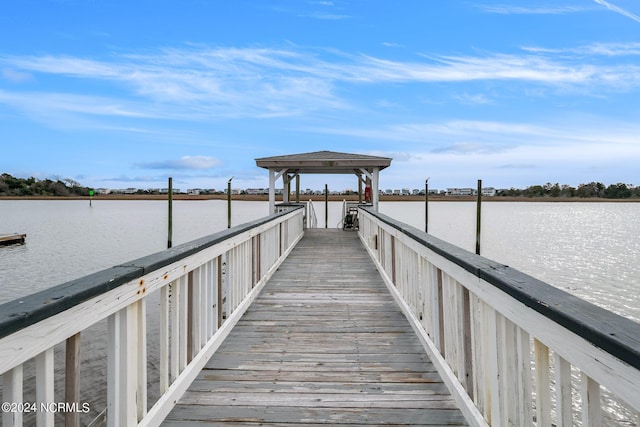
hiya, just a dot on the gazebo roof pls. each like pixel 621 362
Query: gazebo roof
pixel 329 162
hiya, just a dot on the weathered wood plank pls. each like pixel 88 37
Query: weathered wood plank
pixel 319 387
pixel 224 415
pixel 326 376
pixel 324 343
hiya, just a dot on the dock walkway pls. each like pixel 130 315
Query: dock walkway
pixel 324 343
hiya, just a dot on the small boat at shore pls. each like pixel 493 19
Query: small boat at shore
pixel 12 239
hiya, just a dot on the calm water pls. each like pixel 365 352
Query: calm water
pixel 589 249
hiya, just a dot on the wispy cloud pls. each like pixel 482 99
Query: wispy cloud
pixel 604 49
pixel 618 9
pixel 322 10
pixel 459 137
pixel 183 163
pixel 474 99
pixel 505 9
pixel 325 16
pixel 199 83
pixel 517 166
pixel 525 68
pixel 132 178
pixel 466 148
pixel 197 74
pixel 15 76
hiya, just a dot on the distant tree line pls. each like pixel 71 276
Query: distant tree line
pixel 592 189
pixel 12 186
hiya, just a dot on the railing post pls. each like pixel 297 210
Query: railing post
pixel 12 392
pixel 563 392
pixel 140 353
pixel 45 386
pixel 114 354
pixel 219 294
pixel 590 392
pixel 543 386
pixel 72 380
pixel 164 338
pixel 190 317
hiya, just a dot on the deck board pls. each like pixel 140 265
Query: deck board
pixel 323 344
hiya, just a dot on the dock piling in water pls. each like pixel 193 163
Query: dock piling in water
pixel 170 230
pixel 478 216
pixel 229 202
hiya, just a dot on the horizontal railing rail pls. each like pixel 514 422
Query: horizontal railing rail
pixel 203 288
pixel 513 349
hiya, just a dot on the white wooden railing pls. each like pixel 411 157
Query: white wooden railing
pixel 311 217
pixel 197 310
pixel 514 351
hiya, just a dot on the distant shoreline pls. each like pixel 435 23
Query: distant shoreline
pixel 332 198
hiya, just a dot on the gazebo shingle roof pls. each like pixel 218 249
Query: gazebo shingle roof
pixel 323 162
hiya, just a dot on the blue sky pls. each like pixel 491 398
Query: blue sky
pixel 123 94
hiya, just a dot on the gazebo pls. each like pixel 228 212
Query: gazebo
pixel 288 167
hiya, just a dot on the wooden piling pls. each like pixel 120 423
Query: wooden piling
pixel 170 230
pixel 426 205
pixel 326 206
pixel 229 202
pixel 478 216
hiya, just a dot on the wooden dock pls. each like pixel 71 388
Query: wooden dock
pixel 323 344
pixel 12 239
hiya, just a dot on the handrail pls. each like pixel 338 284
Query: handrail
pixel 198 307
pixel 312 218
pixel 481 321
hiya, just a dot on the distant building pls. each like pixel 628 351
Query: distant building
pixel 488 191
pixel 166 190
pixel 460 191
pixel 254 191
